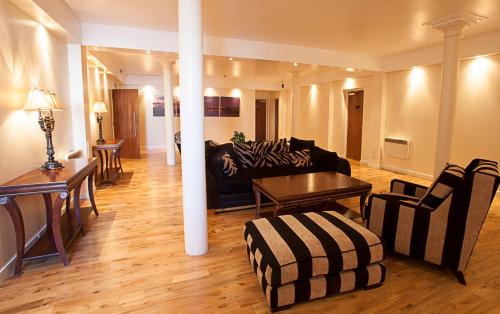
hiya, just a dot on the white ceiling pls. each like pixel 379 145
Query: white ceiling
pixel 138 62
pixel 377 28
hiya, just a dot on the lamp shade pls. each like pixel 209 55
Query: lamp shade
pixel 100 107
pixel 55 101
pixel 39 100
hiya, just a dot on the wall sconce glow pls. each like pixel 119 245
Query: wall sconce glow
pixel 349 83
pixel 314 93
pixel 295 64
pixel 231 58
pixel 148 91
pixel 148 51
pixel 236 92
pixel 476 72
pixel 209 91
pixel 416 77
pixel 176 92
pixel 350 69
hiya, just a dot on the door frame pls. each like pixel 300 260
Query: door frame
pixel 345 117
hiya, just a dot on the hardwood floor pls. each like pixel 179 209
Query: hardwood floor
pixel 133 260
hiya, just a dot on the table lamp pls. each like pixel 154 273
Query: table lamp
pixel 45 103
pixel 99 109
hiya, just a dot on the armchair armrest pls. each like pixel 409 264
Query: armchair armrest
pixel 408 188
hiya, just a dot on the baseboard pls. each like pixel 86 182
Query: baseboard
pixel 409 172
pixel 8 269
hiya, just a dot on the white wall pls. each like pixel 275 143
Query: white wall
pixel 30 57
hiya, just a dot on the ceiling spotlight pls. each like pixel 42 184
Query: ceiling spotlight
pixel 350 69
pixel 231 58
pixel 295 64
pixel 148 51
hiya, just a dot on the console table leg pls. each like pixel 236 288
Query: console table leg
pixel 107 165
pixel 120 160
pixel 56 227
pixel 257 203
pixel 101 162
pixel 91 192
pixel 76 204
pixel 17 220
pixel 47 198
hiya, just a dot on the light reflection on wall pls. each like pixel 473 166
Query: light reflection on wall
pixel 176 92
pixel 236 92
pixel 314 94
pixel 209 91
pixel 416 78
pixel 349 83
pixel 477 72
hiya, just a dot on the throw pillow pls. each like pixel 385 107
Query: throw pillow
pixel 279 146
pixel 210 146
pixel 274 159
pixel 296 144
pixel 252 154
pixel 301 158
pixel 323 159
pixel 228 165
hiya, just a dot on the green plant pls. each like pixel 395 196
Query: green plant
pixel 238 137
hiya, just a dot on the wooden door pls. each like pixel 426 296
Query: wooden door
pixel 126 121
pixel 276 118
pixel 260 120
pixel 354 124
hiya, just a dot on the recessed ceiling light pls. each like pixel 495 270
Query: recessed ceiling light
pixel 231 58
pixel 350 69
pixel 295 64
pixel 148 51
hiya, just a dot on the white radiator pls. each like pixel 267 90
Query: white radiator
pixel 396 147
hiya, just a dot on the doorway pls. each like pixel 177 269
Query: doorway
pixel 260 119
pixel 126 121
pixel 354 123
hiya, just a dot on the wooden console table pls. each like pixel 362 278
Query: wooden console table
pixel 62 182
pixel 110 163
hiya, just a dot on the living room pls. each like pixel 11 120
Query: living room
pixel 333 129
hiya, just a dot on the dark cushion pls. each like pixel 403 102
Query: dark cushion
pixel 297 144
pixel 324 159
pixel 213 161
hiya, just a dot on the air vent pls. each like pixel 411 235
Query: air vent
pixel 397 147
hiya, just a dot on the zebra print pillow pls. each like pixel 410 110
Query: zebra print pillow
pixel 279 146
pixel 252 154
pixel 278 159
pixel 229 167
pixel 301 158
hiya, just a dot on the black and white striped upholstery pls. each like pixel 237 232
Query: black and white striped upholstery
pixel 306 256
pixel 441 225
pixel 252 154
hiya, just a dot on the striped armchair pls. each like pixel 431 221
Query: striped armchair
pixel 439 224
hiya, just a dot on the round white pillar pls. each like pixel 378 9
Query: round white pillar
pixel 295 102
pixel 449 82
pixel 192 127
pixel 168 96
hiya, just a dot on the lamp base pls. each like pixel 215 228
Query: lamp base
pixel 100 141
pixel 52 165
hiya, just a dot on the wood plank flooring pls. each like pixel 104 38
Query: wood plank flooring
pixel 132 261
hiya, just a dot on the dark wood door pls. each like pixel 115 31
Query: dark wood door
pixel 260 120
pixel 126 121
pixel 276 117
pixel 354 124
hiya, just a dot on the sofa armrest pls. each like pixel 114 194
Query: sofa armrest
pixel 408 188
pixel 343 166
pixel 212 191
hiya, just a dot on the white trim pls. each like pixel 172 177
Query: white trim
pixel 409 172
pixel 8 269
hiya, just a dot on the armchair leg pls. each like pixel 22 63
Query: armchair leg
pixel 460 277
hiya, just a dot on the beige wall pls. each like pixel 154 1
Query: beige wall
pixel 152 129
pixel 313 115
pixel 29 57
pixel 100 85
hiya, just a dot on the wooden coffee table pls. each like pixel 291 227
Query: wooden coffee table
pixel 319 188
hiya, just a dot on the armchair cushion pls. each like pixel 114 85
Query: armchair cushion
pixel 451 177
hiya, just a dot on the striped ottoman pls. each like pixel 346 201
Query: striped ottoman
pixel 307 256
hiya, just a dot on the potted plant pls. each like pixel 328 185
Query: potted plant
pixel 238 137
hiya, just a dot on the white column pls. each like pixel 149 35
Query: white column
pixel 295 102
pixel 168 96
pixel 453 27
pixel 192 127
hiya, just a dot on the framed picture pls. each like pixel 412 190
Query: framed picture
pixel 212 104
pixel 229 106
pixel 158 106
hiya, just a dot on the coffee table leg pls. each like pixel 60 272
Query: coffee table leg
pixel 257 203
pixel 276 210
pixel 362 203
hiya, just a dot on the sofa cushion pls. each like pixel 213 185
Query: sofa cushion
pixel 252 154
pixel 228 165
pixel 324 159
pixel 301 158
pixel 279 146
pixel 274 159
pixel 295 247
pixel 297 144
pixel 213 159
